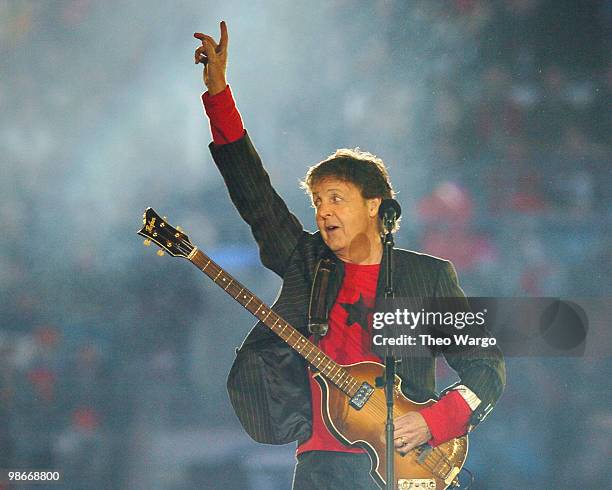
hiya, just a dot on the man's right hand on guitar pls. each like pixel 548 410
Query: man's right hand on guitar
pixel 411 431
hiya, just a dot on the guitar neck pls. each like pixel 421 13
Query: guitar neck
pixel 315 356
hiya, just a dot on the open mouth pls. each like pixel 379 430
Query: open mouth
pixel 331 228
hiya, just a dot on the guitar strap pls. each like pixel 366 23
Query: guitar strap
pixel 317 308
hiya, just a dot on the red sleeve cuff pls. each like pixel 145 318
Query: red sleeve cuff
pixel 225 121
pixel 447 418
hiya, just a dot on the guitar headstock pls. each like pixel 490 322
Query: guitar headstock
pixel 172 240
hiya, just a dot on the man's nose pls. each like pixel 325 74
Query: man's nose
pixel 323 211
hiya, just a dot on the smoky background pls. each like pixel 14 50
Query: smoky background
pixel 492 116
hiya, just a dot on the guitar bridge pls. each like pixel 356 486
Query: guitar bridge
pixel 362 396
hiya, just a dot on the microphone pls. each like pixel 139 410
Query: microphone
pixel 389 212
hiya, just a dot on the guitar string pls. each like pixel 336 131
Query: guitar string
pixel 233 283
pixel 376 408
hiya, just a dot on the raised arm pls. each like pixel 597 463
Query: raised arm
pixel 225 121
pixel 275 229
pixel 214 58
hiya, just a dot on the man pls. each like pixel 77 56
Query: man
pixel 270 386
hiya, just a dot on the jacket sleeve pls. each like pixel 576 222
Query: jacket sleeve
pixel 480 369
pixel 276 230
pixel 267 384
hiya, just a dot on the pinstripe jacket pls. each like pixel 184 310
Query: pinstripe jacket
pixel 268 384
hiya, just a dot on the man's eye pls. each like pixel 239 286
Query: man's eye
pixel 336 199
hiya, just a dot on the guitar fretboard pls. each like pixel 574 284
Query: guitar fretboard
pixel 315 356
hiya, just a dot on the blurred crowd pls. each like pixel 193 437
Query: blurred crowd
pixel 493 116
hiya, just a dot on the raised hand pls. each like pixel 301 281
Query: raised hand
pixel 214 58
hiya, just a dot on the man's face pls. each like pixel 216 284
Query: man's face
pixel 348 223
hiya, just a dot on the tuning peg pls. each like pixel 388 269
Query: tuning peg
pixel 178 228
pixel 147 243
pixel 160 252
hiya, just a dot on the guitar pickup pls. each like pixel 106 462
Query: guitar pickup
pixel 362 396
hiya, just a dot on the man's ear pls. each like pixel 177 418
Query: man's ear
pixel 373 205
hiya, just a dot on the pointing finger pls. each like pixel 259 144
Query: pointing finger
pixel 224 37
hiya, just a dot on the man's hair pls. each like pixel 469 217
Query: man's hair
pixel 364 170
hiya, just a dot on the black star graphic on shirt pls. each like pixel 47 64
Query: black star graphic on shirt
pixel 357 313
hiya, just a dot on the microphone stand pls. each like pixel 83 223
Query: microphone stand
pixel 389 357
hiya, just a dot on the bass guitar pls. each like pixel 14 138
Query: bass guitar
pixel 353 408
